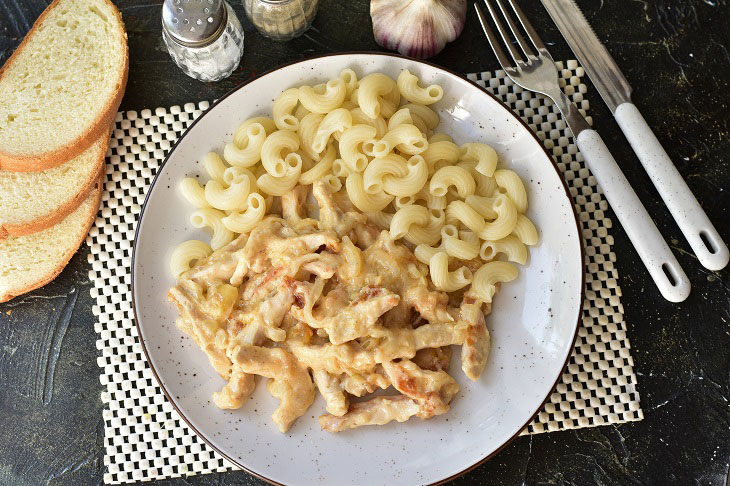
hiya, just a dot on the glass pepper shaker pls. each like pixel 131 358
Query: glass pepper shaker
pixel 281 20
pixel 203 37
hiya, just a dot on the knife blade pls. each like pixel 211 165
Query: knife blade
pixel 583 41
pixel 702 236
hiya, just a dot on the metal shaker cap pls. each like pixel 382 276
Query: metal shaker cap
pixel 194 23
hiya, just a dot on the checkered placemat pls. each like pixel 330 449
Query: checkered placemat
pixel 144 436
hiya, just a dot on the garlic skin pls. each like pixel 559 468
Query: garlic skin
pixel 417 28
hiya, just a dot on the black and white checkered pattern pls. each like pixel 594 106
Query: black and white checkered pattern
pixel 144 436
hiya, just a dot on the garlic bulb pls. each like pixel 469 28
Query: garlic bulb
pixel 417 28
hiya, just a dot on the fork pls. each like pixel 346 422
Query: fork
pixel 532 67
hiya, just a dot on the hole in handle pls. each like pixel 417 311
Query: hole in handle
pixel 709 242
pixel 673 280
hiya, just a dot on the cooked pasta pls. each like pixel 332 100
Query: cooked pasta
pixel 482 205
pixel 321 168
pixel 307 130
pixel 440 137
pixel 337 120
pixel 430 201
pixel 486 186
pixel 406 138
pixel 464 247
pixel 372 87
pixel 246 151
pixel 379 123
pixel 429 117
pixel 410 183
pixel 278 186
pixel 380 167
pixel 450 176
pixel 389 103
pixel 362 200
pixel 214 166
pixel 443 279
pixel 300 112
pixel 510 246
pixel 459 211
pixel 407 216
pixel 428 234
pixel 193 192
pixel 283 110
pixel 274 147
pixel 484 156
pixel 403 201
pixel 488 276
pixel 212 219
pixel 332 97
pixel 401 117
pixel 245 221
pixel 334 183
pixel 240 134
pixel 186 254
pixel 350 146
pixel 349 77
pixel 404 216
pixel 525 230
pixel 513 187
pixel 438 151
pixel 340 169
pixel 505 222
pixel 228 198
pixel 410 90
pixel 424 253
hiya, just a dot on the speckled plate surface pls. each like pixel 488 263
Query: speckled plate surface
pixel 533 323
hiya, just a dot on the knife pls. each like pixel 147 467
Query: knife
pixel 711 250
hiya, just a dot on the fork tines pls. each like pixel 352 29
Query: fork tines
pixel 521 59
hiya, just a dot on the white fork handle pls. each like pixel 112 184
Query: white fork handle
pixel 687 212
pixel 643 233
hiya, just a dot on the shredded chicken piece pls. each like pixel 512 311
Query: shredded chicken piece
pixel 378 411
pixel 475 351
pixel 331 388
pixel 336 297
pixel 290 382
pixel 434 359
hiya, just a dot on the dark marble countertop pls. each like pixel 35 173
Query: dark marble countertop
pixel 675 55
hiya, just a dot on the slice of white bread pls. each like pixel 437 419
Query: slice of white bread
pixel 60 89
pixel 31 261
pixel 33 201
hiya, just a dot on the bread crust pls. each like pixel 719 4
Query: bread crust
pixel 96 193
pixel 57 215
pixel 48 160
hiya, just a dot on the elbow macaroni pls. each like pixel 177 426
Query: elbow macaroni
pixel 513 187
pixel 283 109
pixel 455 176
pixel 186 254
pixel 443 279
pixel 488 276
pixel 212 219
pixel 324 102
pixel 243 222
pixel 372 142
pixel 410 90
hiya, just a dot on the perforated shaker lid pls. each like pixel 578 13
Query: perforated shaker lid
pixel 194 23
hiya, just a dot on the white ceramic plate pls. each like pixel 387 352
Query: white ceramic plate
pixel 533 323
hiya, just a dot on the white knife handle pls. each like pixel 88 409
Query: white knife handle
pixel 642 231
pixel 687 212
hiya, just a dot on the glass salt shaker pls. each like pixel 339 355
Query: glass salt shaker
pixel 281 20
pixel 203 37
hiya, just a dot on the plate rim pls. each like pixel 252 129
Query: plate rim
pixel 338 54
